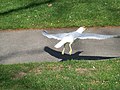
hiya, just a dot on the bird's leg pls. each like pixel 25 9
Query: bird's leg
pixel 70 52
pixel 63 51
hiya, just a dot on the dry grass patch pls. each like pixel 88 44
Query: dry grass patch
pixel 84 70
pixel 19 75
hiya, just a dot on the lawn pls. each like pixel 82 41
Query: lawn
pixel 16 14
pixel 67 75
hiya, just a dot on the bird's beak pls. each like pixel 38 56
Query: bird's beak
pixel 85 28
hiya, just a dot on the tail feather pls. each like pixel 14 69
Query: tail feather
pixel 117 36
pixel 60 44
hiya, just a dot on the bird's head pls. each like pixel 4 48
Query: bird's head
pixel 81 29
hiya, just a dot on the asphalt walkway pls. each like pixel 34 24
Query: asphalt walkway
pixel 31 46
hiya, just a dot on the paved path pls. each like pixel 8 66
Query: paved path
pixel 30 46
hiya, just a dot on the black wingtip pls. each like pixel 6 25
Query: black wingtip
pixel 44 32
pixel 117 36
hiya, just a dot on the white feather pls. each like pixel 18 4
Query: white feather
pixel 59 44
pixel 67 39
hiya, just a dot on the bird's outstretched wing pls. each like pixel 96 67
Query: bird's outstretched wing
pixel 96 36
pixel 54 36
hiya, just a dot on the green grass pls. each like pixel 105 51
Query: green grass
pixel 16 14
pixel 68 75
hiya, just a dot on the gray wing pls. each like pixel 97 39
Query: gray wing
pixel 96 36
pixel 54 36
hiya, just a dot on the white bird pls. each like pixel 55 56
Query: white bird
pixel 71 36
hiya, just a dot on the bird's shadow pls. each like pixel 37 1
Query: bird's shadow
pixel 75 56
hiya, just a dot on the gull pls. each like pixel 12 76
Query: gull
pixel 68 38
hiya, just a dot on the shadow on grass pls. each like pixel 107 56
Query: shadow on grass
pixel 74 56
pixel 31 5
